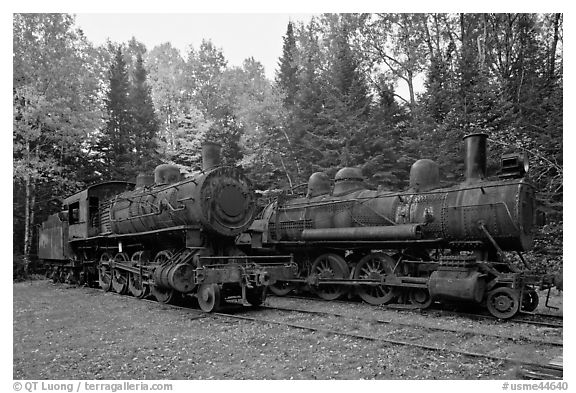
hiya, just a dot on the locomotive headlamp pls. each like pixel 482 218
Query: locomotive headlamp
pixel 514 165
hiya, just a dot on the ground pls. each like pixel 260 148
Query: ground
pixel 64 332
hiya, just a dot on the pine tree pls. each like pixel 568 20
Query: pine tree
pixel 287 75
pixel 116 144
pixel 348 104
pixel 348 79
pixel 144 122
pixel 306 123
pixel 438 95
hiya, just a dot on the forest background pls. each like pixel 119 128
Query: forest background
pixel 84 114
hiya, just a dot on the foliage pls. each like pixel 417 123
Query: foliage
pixel 144 121
pixel 115 143
pixel 546 255
pixel 166 77
pixel 127 144
pixel 287 75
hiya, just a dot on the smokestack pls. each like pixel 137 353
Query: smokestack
pixel 210 155
pixel 475 157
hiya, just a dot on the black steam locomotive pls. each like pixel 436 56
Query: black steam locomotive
pixel 424 244
pixel 163 235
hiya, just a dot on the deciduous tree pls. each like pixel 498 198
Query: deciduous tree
pixel 55 108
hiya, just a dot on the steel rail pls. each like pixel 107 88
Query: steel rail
pixel 405 307
pixel 434 348
pixel 517 319
pixel 391 322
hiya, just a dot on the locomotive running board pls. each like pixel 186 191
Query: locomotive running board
pixel 376 243
pixel 391 283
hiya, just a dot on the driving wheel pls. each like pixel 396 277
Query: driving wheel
pixel 330 267
pixel 375 266
pixel 105 272
pixel 135 282
pixel 120 277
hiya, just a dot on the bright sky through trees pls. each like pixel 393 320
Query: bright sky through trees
pixel 240 36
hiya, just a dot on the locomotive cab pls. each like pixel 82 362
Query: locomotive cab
pixel 85 208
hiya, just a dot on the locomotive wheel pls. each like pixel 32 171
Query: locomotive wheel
pixel 330 266
pixel 163 256
pixel 48 273
pixel 135 285
pixel 137 258
pixel 281 288
pixel 209 297
pixel 530 300
pixel 55 275
pixel 420 297
pixel 373 267
pixel 104 272
pixel 256 296
pixel 119 277
pixel 70 279
pixel 164 295
pixel 503 302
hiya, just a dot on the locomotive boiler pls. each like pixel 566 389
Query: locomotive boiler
pixel 164 235
pixel 427 243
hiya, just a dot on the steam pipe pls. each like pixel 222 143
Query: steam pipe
pixel 475 161
pixel 379 233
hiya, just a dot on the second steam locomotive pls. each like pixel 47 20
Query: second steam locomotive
pixel 416 246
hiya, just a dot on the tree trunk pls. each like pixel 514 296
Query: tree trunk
pixel 286 172
pixel 29 203
pixel 410 81
pixel 292 152
pixel 552 68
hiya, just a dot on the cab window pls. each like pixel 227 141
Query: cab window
pixel 74 213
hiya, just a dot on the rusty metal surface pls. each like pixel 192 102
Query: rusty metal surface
pixel 220 201
pixel 383 233
pixel 424 175
pixel 210 155
pixel 475 159
pixel 53 239
pixel 505 207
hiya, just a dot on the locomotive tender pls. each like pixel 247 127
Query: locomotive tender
pixel 425 244
pixel 163 235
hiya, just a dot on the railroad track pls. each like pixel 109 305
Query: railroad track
pixel 553 343
pixel 230 314
pixel 544 320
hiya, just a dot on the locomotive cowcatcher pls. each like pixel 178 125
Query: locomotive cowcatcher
pixel 427 243
pixel 163 235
